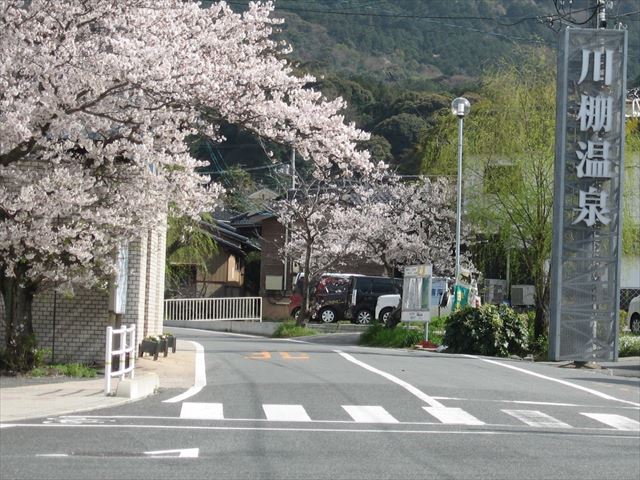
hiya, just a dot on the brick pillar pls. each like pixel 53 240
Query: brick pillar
pixel 136 286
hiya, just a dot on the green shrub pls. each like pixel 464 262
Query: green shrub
pixel 623 322
pixel 400 337
pixel 629 346
pixel 539 347
pixel 488 330
pixel 290 329
pixel 64 369
pixel 23 354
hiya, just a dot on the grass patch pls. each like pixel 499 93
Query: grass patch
pixel 437 329
pixel 64 370
pixel 399 337
pixel 290 329
pixel 629 346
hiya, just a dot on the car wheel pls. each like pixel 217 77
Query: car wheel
pixel 634 323
pixel 394 318
pixel 327 315
pixel 384 315
pixel 364 317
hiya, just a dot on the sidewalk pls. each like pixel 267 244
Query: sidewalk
pixel 23 398
pixel 624 367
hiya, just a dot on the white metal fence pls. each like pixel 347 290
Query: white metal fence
pixel 202 309
pixel 126 362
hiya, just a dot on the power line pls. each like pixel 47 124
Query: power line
pixel 406 16
pixel 436 19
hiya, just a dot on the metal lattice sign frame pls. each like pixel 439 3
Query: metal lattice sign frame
pixel 585 266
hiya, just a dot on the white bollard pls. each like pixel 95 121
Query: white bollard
pixel 107 361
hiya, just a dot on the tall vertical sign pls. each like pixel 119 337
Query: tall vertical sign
pixel 585 273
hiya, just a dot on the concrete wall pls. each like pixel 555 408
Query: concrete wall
pixel 235 326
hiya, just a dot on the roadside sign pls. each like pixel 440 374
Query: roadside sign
pixel 416 294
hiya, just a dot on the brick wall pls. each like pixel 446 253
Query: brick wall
pixel 80 323
pixel 81 320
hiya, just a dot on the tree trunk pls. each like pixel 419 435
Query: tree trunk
pixel 304 316
pixel 541 300
pixel 17 293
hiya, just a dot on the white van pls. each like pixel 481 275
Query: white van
pixel 386 303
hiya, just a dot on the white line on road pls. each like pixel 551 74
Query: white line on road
pixel 286 413
pixel 549 404
pixel 202 411
pixel 178 453
pixel 453 416
pixel 531 402
pixel 616 421
pixel 369 414
pixel 535 418
pixel 165 427
pixel 200 377
pixel 557 380
pixel 432 402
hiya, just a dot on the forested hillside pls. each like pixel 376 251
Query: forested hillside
pixel 398 62
pixel 421 42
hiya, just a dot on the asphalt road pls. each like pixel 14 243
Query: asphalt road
pixel 279 409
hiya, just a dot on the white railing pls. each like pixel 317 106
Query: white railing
pixel 203 309
pixel 127 346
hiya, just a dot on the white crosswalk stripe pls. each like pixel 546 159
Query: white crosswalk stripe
pixel 286 413
pixel 616 421
pixel 202 411
pixel 378 414
pixel 369 414
pixel 453 416
pixel 535 418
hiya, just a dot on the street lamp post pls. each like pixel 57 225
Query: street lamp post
pixel 459 107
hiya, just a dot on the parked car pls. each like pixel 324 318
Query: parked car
pixel 331 288
pixel 364 294
pixel 386 303
pixel 355 300
pixel 634 315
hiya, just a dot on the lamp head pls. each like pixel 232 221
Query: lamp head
pixel 460 107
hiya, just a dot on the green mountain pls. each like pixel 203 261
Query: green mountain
pixel 398 62
pixel 430 44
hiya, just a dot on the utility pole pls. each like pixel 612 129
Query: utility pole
pixel 292 169
pixel 601 14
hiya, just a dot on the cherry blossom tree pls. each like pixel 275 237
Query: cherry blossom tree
pixel 375 218
pixel 314 215
pixel 97 98
pixel 405 223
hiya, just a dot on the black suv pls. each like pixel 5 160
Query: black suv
pixel 358 301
